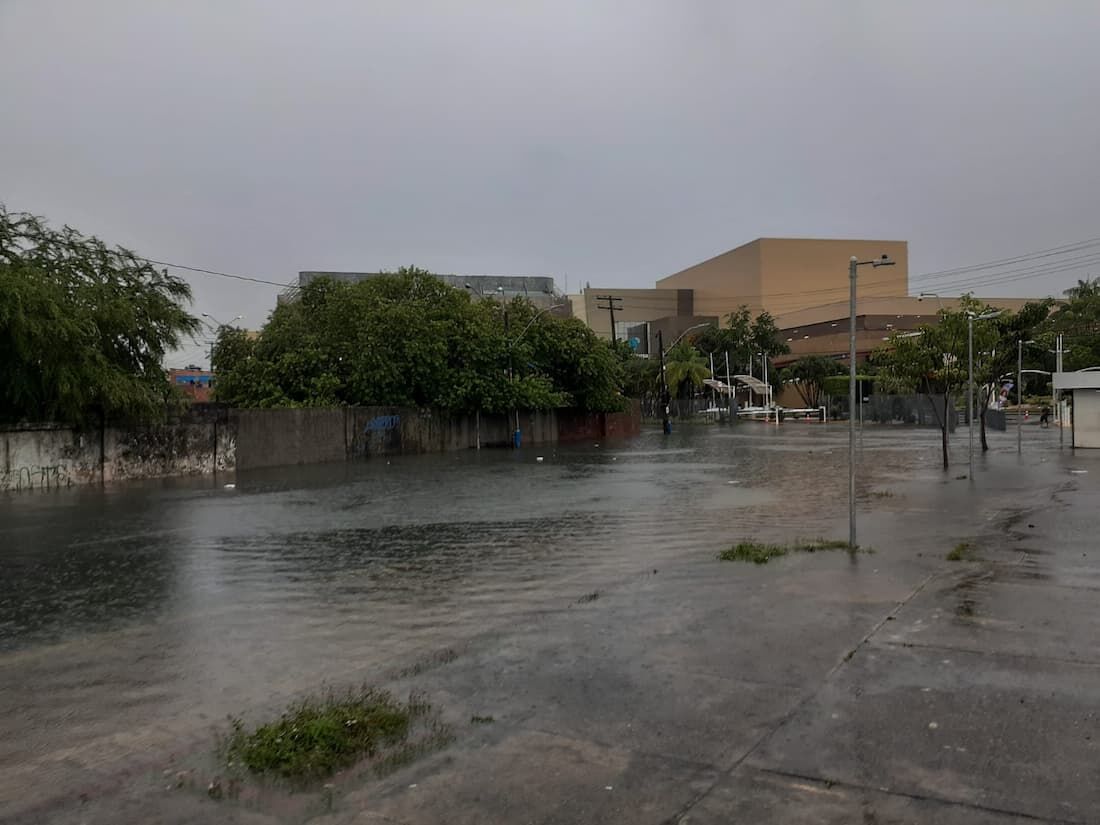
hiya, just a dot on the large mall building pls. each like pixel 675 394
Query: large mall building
pixel 803 282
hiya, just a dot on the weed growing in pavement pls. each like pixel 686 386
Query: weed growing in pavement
pixel 317 736
pixel 761 553
pixel 963 551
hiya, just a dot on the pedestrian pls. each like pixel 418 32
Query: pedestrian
pixel 1044 417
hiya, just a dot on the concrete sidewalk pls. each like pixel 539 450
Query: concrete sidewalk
pixel 898 688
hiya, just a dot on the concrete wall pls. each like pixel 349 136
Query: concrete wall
pixel 579 426
pixel 1086 418
pixel 272 438
pixel 213 439
pixel 48 457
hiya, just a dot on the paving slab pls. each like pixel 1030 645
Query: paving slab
pixel 998 610
pixel 531 777
pixel 1004 732
pixel 764 798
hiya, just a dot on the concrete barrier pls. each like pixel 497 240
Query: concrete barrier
pixel 212 439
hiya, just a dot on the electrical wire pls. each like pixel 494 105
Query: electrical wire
pixel 235 277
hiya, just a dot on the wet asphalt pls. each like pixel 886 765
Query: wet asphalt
pixel 577 601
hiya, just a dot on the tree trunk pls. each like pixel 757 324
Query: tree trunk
pixel 983 404
pixel 943 427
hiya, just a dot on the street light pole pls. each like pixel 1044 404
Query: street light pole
pixel 970 392
pixel 853 264
pixel 218 327
pixel 1019 394
pixel 666 422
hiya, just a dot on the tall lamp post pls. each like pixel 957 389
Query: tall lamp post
pixel 1020 392
pixel 971 318
pixel 666 398
pixel 853 265
pixel 218 327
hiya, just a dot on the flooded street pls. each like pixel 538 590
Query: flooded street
pixel 552 594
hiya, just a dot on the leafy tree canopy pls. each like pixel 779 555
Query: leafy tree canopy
pixel 83 327
pixel 685 368
pixel 743 337
pixel 408 339
pixel 809 374
pixel 1078 320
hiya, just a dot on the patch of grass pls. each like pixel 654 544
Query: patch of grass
pixel 963 551
pixel 589 597
pixel 440 657
pixel 438 736
pixel 481 720
pixel 881 494
pixel 761 553
pixel 316 737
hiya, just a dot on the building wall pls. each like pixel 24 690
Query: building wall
pixel 807 334
pixel 637 305
pixel 733 276
pixel 796 273
pixel 1086 418
pixel 900 306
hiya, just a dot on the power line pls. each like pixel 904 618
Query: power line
pixel 248 278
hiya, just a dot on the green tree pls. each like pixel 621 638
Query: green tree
pixel 408 339
pixel 1078 320
pixel 934 360
pixel 84 327
pixel 997 358
pixel 808 374
pixel 642 378
pixel 927 362
pixel 685 369
pixel 743 338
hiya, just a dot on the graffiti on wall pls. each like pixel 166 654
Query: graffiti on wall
pixel 382 423
pixel 35 478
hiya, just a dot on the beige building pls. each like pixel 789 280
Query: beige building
pixel 803 282
pixel 784 275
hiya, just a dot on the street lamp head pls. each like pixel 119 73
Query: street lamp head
pixel 883 261
pixel 853 258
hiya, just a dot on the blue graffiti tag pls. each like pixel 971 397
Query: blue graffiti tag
pixel 383 422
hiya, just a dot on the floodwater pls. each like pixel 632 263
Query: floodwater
pixel 134 619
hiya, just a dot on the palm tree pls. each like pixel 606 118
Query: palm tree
pixel 685 366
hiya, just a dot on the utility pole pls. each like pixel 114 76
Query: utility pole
pixel 729 391
pixel 1019 394
pixel 852 265
pixel 611 307
pixel 713 392
pixel 970 393
pixel 1058 400
pixel 666 422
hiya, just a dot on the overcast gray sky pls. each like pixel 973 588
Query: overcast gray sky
pixel 594 140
